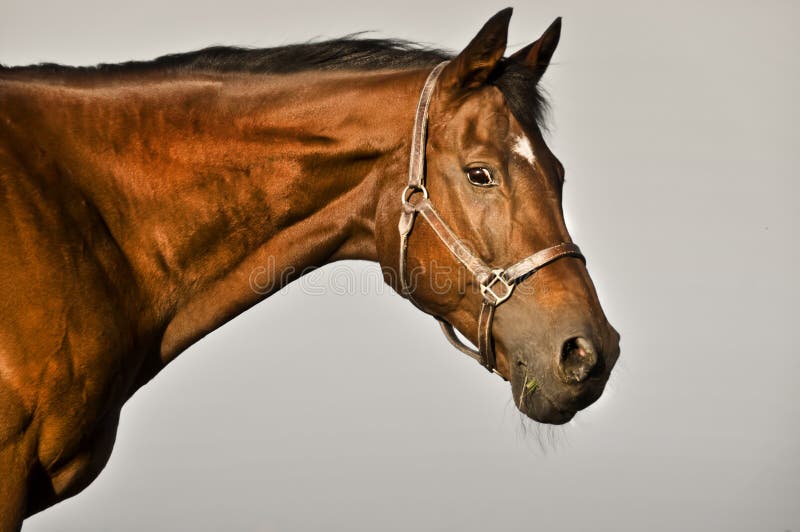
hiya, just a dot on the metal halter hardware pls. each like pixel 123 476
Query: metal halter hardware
pixel 497 284
pixel 490 295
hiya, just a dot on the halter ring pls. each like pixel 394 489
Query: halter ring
pixel 489 295
pixel 410 190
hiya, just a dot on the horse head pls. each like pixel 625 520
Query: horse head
pixel 491 191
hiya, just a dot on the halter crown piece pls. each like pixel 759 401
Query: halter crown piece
pixel 497 284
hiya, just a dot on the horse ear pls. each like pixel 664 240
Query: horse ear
pixel 475 63
pixel 537 55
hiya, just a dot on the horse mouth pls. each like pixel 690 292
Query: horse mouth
pixel 546 411
pixel 537 402
pixel 537 405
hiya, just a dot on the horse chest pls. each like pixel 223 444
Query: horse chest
pixel 68 349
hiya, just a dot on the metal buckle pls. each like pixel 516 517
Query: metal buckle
pixel 410 190
pixel 490 295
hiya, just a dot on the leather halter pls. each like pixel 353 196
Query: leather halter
pixel 497 284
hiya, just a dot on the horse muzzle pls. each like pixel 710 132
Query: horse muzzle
pixel 553 388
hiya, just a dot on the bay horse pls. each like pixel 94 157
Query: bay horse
pixel 141 201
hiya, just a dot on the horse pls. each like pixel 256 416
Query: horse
pixel 141 202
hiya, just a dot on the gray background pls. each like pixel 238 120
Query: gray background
pixel 677 125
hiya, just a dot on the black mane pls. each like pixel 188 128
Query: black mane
pixel 347 53
pixel 519 84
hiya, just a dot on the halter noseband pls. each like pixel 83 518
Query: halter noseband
pixel 497 284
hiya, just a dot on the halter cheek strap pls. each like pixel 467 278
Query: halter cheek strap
pixel 496 284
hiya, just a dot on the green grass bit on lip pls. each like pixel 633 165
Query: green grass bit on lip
pixel 531 386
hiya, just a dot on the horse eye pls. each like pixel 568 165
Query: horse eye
pixel 480 177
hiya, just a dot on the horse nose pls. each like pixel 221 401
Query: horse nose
pixel 579 359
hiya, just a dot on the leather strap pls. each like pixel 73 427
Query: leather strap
pixel 485 338
pixel 471 262
pixel 541 258
pixel 497 285
pixel 416 172
pixel 416 166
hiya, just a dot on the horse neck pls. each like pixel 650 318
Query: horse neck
pixel 235 186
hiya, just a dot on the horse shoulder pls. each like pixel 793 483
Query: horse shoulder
pixel 68 347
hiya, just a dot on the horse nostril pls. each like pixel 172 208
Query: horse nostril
pixel 578 359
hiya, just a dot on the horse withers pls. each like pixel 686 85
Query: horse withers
pixel 139 198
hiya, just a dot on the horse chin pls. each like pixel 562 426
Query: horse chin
pixel 539 407
pixel 550 402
